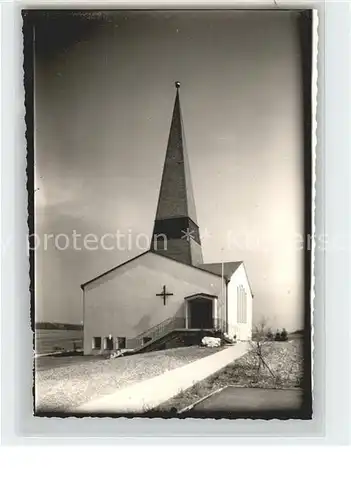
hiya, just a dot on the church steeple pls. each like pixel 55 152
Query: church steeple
pixel 176 233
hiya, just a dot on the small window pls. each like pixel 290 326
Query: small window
pixel 121 342
pixel 96 342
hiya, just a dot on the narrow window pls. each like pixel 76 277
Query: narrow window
pixel 96 342
pixel 241 304
pixel 244 306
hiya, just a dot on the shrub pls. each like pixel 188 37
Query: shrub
pixel 211 342
pixel 284 335
pixel 229 337
pixel 269 335
pixel 277 337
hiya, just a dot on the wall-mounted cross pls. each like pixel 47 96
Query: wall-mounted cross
pixel 164 294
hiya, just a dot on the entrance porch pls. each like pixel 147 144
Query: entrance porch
pixel 200 311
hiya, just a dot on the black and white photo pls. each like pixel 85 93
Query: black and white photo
pixel 170 212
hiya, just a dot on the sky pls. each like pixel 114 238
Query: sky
pixel 104 95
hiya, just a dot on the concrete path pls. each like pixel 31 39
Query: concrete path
pixel 150 393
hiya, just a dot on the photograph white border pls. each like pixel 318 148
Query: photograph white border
pixel 331 355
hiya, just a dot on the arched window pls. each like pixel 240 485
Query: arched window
pixel 241 304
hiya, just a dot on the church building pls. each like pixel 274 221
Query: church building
pixel 168 294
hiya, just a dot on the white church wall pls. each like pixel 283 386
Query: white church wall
pixel 123 303
pixel 241 326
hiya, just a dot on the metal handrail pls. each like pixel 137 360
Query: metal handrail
pixel 160 330
pixel 159 325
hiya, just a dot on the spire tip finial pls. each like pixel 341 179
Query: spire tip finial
pixel 177 85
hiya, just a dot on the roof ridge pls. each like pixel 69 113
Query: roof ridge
pixel 140 255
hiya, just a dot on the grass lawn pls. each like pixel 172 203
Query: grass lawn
pixel 283 358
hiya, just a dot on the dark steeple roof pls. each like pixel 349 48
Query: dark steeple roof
pixel 176 197
pixel 176 211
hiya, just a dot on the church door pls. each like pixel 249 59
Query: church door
pixel 201 313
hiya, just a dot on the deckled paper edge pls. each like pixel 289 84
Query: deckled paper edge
pixel 314 92
pixel 312 239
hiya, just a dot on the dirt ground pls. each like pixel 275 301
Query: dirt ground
pixel 61 384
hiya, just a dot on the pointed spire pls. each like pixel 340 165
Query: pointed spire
pixel 176 193
pixel 176 213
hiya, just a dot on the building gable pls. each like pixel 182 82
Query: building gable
pixel 144 292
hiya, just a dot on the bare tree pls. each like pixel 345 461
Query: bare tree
pixel 261 336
